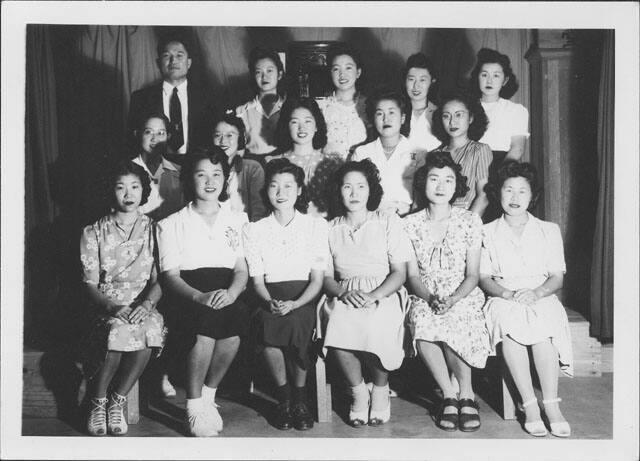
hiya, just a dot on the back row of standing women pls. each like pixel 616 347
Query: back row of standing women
pixel 359 262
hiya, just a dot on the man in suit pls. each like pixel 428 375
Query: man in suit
pixel 188 106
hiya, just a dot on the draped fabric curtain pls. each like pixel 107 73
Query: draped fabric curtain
pixel 603 239
pixel 79 84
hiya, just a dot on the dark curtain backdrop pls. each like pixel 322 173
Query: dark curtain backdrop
pixel 80 79
pixel 602 267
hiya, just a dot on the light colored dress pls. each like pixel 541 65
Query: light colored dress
pixel 420 134
pixel 360 259
pixel 475 159
pixel 120 266
pixel 442 268
pixel 526 262
pixel 345 125
pixel 166 195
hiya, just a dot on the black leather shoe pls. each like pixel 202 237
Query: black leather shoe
pixel 282 417
pixel 302 419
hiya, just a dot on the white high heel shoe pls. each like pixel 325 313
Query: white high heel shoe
pixel 535 428
pixel 559 428
pixel 360 395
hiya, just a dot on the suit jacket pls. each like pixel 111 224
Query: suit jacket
pixel 201 110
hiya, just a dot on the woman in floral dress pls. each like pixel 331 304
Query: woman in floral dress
pixel 446 317
pixel 120 280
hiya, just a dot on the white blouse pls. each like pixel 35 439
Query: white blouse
pixel 397 171
pixel 284 253
pixel 187 242
pixel 420 135
pixel 506 119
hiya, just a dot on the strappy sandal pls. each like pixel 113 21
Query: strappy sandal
pixel 559 428
pixel 535 428
pixel 448 417
pixel 466 418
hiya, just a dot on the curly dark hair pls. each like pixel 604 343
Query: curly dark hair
pixel 280 166
pixel 125 168
pixel 283 137
pixel 478 125
pixel 385 94
pixel 370 172
pixel 216 156
pixel 229 117
pixel 437 159
pixel 256 55
pixel 514 169
pixel 489 56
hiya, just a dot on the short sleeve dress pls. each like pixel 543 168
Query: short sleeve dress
pixel 360 260
pixel 285 257
pixel 442 268
pixel 346 126
pixel 205 256
pixel 260 126
pixel 120 266
pixel 526 262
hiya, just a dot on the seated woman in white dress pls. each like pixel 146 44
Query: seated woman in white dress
pixel 522 267
pixel 204 271
pixel 363 315
pixel 287 254
pixel 446 317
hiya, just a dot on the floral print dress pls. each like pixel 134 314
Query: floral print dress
pixel 442 268
pixel 120 266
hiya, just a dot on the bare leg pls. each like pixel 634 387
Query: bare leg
pixel 224 352
pixel 462 372
pixel 379 375
pixel 132 366
pixel 100 382
pixel 350 365
pixel 276 364
pixel 433 357
pixel 297 373
pixel 545 357
pixel 198 362
pixel 517 360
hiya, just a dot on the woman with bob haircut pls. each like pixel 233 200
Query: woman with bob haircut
pixel 446 319
pixel 246 178
pixel 362 314
pixel 287 254
pixel 521 269
pixel 301 134
pixel 494 83
pixel 120 279
pixel 420 80
pixel 345 109
pixel 459 123
pixel 261 114
pixel 204 271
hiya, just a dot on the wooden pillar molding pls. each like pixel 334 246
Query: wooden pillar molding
pixel 550 60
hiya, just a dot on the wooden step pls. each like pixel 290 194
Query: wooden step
pixel 587 351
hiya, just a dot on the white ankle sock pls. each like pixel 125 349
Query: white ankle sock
pixel 379 397
pixel 209 393
pixel 195 405
pixel 360 395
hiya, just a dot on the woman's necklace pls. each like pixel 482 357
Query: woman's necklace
pixel 388 151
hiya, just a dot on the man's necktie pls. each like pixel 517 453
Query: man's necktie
pixel 175 114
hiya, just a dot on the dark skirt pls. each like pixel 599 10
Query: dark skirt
pixel 292 331
pixel 191 319
pixel 493 210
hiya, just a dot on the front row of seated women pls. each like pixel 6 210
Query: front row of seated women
pixel 345 279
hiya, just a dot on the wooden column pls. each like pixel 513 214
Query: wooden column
pixel 552 143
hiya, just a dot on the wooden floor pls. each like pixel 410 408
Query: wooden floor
pixel 587 405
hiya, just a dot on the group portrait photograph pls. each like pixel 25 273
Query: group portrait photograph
pixel 320 230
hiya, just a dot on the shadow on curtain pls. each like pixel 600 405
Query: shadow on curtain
pixel 602 268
